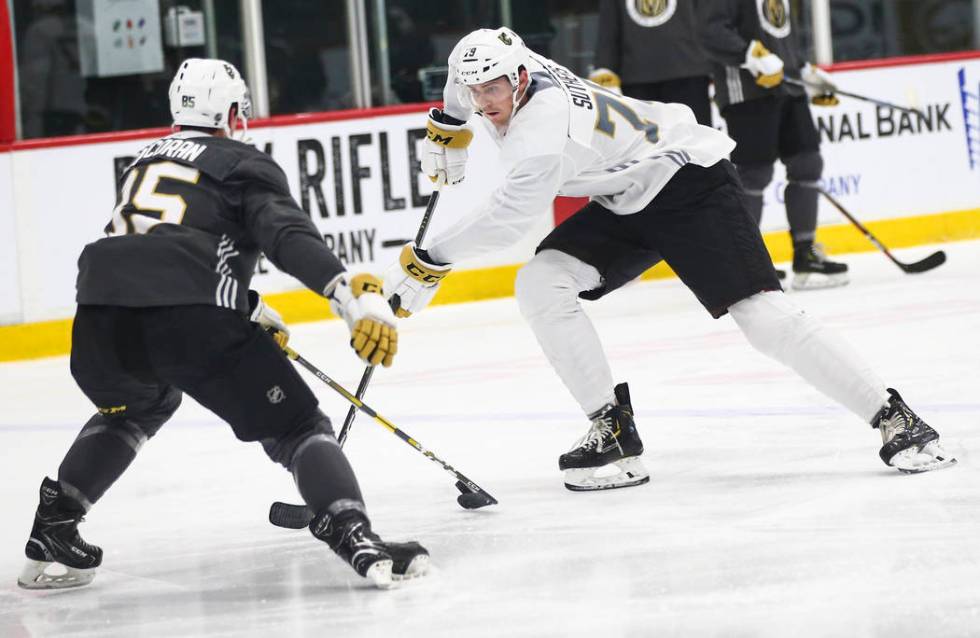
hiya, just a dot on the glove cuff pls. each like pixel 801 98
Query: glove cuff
pixel 607 78
pixel 445 119
pixel 756 50
pixel 455 136
pixel 416 266
pixel 365 283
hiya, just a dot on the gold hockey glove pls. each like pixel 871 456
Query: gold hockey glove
pixel 765 66
pixel 445 154
pixel 360 303
pixel 608 79
pixel 819 87
pixel 267 317
pixel 413 281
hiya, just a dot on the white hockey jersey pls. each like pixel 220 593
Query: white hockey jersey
pixel 577 139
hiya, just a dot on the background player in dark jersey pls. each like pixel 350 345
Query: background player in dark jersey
pixel 164 308
pixel 751 43
pixel 650 51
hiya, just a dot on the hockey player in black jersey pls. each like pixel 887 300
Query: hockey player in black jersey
pixel 164 308
pixel 651 51
pixel 752 44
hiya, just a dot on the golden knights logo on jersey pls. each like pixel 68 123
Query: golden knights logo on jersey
pixel 651 13
pixel 774 17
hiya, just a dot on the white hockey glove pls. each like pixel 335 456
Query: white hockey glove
pixel 608 79
pixel 445 153
pixel 765 66
pixel 819 87
pixel 361 304
pixel 267 317
pixel 412 282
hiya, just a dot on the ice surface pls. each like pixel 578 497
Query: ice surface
pixel 768 512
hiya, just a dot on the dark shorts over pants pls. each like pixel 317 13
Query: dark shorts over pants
pixel 771 128
pixel 129 361
pixel 697 224
pixel 691 91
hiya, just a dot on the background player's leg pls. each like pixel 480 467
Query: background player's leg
pixel 754 126
pixel 799 150
pixel 803 172
pixel 755 178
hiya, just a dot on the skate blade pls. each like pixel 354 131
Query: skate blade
pixel 418 567
pixel 929 458
pixel 36 575
pixel 379 573
pixel 631 473
pixel 818 281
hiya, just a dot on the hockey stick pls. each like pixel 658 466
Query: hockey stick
pixel 863 98
pixel 395 303
pixel 298 516
pixel 932 261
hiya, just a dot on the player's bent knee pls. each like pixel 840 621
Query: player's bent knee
pixel 286 449
pixel 551 282
pixel 755 177
pixel 804 167
pixel 135 428
pixel 772 323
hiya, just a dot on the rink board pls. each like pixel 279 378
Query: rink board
pixel 914 181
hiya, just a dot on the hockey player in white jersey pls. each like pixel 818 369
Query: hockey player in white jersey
pixel 660 188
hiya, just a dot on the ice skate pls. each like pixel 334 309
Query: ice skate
pixel 57 557
pixel 812 270
pixel 611 440
pixel 909 444
pixel 349 534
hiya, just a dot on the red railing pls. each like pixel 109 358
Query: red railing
pixel 8 113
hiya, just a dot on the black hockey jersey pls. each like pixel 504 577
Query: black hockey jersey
pixel 193 213
pixel 647 41
pixel 727 27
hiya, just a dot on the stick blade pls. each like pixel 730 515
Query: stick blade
pixel 289 516
pixel 934 260
pixel 471 500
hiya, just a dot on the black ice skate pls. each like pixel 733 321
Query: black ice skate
pixel 349 534
pixel 56 546
pixel 910 445
pixel 812 270
pixel 612 439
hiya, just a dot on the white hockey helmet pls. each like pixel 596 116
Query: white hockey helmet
pixel 202 92
pixel 487 54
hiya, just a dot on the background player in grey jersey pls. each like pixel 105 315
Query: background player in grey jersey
pixel 660 188
pixel 650 51
pixel 164 308
pixel 751 44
